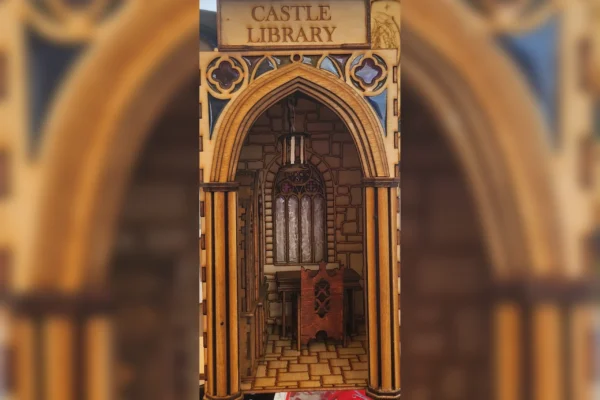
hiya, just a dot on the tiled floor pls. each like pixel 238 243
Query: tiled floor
pixel 318 365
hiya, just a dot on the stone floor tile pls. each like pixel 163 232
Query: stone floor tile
pixel 348 368
pixel 307 359
pixel 304 352
pixel 359 366
pixel 310 384
pixel 351 350
pixel 273 337
pixel 298 368
pixel 336 370
pixel 319 369
pixel 357 381
pixel 348 356
pixel 355 374
pixel 326 355
pixel 331 347
pixel 339 362
pixel 277 350
pixel 261 371
pixel 289 358
pixel 355 344
pixel 272 373
pixel 264 382
pixel 317 346
pixel 282 343
pixel 332 379
pixel 277 364
pixel 286 384
pixel 290 353
pixel 293 376
pixel 327 386
pixel 363 357
pixel 246 385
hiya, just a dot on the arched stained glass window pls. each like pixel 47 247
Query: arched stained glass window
pixel 300 215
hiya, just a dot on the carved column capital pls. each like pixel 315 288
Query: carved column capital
pixel 381 182
pixel 531 290
pixel 52 303
pixel 220 186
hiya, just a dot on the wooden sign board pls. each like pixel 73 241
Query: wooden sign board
pixel 285 24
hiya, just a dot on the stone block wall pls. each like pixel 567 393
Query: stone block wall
pixel 154 268
pixel 332 151
pixel 445 272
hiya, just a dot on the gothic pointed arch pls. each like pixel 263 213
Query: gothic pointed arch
pixel 241 113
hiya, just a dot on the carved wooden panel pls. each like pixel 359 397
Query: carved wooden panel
pixel 321 303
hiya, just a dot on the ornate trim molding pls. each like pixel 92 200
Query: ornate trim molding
pixel 220 186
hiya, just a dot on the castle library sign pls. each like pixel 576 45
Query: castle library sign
pixel 248 25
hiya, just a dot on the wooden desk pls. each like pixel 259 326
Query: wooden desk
pixel 288 283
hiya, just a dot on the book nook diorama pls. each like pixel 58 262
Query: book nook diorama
pixel 300 107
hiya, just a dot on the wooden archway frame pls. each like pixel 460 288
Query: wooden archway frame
pixel 96 128
pixel 240 114
pixel 495 127
pixel 57 246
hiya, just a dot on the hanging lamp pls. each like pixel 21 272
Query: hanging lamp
pixel 293 144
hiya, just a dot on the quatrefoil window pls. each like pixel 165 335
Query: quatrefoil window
pixel 369 72
pixel 226 75
pixel 322 297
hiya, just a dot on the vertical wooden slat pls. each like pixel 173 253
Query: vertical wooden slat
pixel 59 349
pixel 26 373
pixel 220 294
pixel 507 350
pixel 581 352
pixel 209 303
pixel 99 361
pixel 395 290
pixel 547 353
pixel 233 293
pixel 371 286
pixel 385 301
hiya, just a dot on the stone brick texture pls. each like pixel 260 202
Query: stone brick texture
pixel 445 271
pixel 319 364
pixel 331 149
pixel 154 268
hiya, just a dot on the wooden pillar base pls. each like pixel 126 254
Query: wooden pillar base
pixel 382 395
pixel 70 332
pixel 236 396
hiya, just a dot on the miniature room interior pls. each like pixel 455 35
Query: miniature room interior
pixel 300 251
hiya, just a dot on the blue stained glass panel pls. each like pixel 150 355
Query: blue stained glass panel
pixel 215 109
pixel 341 59
pixel 311 60
pixel 49 63
pixel 536 54
pixel 328 65
pixel 264 67
pixel 379 105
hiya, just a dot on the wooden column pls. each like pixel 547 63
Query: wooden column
pixel 59 352
pixel 381 281
pixel 539 326
pixel 222 369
